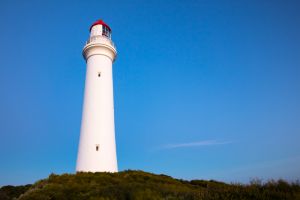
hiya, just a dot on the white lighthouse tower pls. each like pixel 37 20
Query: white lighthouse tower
pixel 97 147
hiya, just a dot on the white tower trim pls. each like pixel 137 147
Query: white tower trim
pixel 97 147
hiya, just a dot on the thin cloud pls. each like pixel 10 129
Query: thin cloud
pixel 196 144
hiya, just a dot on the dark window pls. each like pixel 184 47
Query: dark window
pixel 105 31
pixel 97 147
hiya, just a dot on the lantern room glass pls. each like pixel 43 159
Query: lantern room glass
pixel 106 31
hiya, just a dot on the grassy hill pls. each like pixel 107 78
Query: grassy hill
pixel 141 185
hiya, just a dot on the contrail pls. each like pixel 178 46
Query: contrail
pixel 198 143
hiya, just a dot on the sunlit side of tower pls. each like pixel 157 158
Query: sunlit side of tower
pixel 97 147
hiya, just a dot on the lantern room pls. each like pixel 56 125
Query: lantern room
pixel 100 28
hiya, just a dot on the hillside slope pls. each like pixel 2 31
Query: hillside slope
pixel 141 185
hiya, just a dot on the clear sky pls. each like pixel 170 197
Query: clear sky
pixel 203 89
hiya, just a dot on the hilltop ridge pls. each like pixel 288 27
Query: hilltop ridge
pixel 136 185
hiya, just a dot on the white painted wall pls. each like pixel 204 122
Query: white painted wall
pixel 97 126
pixel 96 30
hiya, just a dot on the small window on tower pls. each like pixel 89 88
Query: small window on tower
pixel 99 74
pixel 97 147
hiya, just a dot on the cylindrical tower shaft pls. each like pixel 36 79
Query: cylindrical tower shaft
pixel 97 148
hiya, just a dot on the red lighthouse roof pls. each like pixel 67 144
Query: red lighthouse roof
pixel 100 22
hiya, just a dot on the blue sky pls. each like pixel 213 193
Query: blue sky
pixel 203 89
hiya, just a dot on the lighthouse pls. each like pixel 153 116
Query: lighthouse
pixel 97 146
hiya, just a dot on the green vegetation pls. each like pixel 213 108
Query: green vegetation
pixel 11 192
pixel 138 185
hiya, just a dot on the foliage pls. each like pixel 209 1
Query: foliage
pixel 10 192
pixel 139 185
